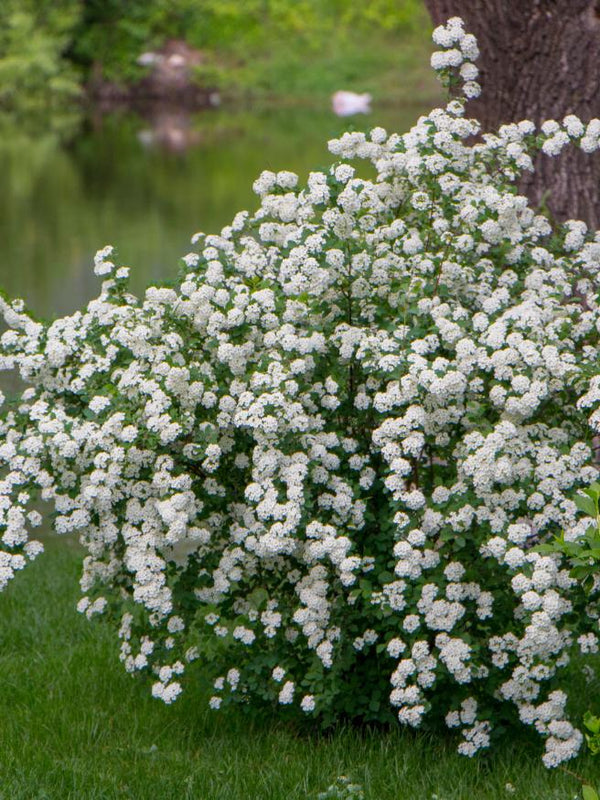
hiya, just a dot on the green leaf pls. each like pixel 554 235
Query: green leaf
pixel 591 722
pixel 580 573
pixel 547 549
pixel 589 793
pixel 585 503
pixel 593 742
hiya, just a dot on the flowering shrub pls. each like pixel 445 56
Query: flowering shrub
pixel 318 464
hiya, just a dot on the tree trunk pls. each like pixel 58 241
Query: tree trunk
pixel 540 59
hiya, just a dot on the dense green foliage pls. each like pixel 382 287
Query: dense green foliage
pixel 48 49
pixel 111 31
pixel 33 38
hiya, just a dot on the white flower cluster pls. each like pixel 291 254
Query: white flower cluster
pixel 335 442
pixel 459 53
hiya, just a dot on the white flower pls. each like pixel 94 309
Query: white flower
pixel 101 265
pixel 286 695
pixel 99 403
pixel 278 674
pixel 307 703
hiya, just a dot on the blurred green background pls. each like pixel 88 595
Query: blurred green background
pixel 87 158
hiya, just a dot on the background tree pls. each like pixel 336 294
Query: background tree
pixel 33 35
pixel 540 59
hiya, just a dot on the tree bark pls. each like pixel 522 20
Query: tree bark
pixel 540 59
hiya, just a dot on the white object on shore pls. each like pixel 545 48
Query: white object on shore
pixel 176 60
pixel 347 103
pixel 149 59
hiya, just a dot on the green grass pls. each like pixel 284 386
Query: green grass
pixel 302 57
pixel 73 724
pixel 393 68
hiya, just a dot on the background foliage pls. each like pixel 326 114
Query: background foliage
pixel 33 37
pixel 47 50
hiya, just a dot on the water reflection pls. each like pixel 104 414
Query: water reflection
pixel 171 129
pixel 144 185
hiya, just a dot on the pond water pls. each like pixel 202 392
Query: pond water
pixel 144 187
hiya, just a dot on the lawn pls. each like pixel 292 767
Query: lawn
pixel 393 68
pixel 75 725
